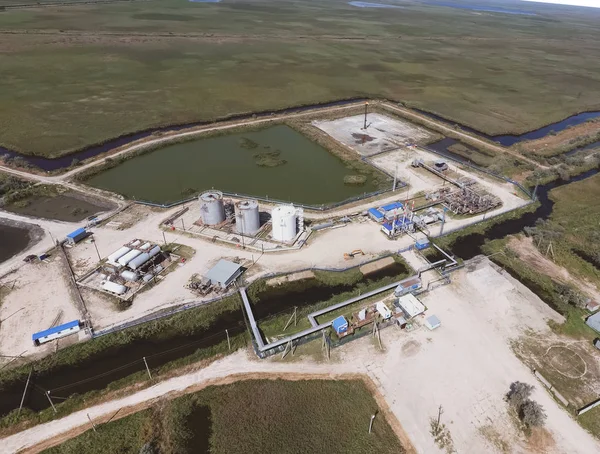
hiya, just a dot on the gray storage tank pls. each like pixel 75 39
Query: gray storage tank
pixel 211 207
pixel 247 218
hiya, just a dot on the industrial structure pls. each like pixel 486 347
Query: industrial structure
pixel 286 222
pixel 212 207
pixel 130 266
pixel 56 332
pixel 224 273
pixel 247 217
pixel 76 236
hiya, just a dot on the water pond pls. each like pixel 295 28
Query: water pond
pixel 276 162
pixel 484 8
pixel 12 240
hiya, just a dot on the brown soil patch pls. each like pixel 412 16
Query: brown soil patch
pixel 381 402
pixel 376 265
pixel 540 441
pixel 528 253
pixel 411 348
pixel 560 143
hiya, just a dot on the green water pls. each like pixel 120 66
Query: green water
pixel 311 174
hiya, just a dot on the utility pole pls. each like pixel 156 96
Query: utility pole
pixel 91 422
pixel 182 225
pixel 366 110
pixel 96 246
pixel 147 368
pixel 51 403
pixel 164 238
pixel 228 341
pixel 52 238
pixel 371 422
pixel 440 412
pixel 25 391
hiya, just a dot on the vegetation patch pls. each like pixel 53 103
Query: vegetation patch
pixel 355 180
pixel 271 416
pixel 269 159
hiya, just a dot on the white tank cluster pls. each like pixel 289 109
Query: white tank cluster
pixel 286 221
pixel 247 217
pixel 212 208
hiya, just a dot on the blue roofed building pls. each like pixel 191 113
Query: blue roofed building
pixel 375 214
pixel 593 321
pixel 77 235
pixel 56 332
pixel 392 206
pixel 340 324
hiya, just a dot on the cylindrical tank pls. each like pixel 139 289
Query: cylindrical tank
pixel 283 220
pixel 247 219
pixel 211 207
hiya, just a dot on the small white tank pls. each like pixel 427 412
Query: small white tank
pixel 247 217
pixel 211 207
pixel 283 220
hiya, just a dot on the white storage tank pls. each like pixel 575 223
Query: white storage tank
pixel 247 218
pixel 113 287
pixel 129 276
pixel 143 258
pixel 129 257
pixel 112 258
pixel 284 223
pixel 211 207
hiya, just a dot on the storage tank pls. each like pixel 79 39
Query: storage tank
pixel 129 276
pixel 113 287
pixel 143 258
pixel 247 219
pixel 211 207
pixel 283 220
pixel 112 258
pixel 129 257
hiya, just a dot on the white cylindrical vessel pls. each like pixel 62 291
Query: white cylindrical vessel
pixel 283 220
pixel 211 207
pixel 247 218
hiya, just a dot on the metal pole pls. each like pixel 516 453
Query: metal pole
pixel 51 403
pixel 96 246
pixel 164 238
pixel 228 341
pixel 147 368
pixel 366 107
pixel 91 422
pixel 52 238
pixel 25 391
pixel 182 224
pixel 371 422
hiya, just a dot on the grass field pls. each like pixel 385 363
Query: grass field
pixel 77 75
pixel 251 416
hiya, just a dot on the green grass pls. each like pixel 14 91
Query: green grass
pixel 591 421
pixel 122 436
pixel 99 71
pixel 270 416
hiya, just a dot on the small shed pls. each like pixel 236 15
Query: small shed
pixel 422 243
pixel 77 235
pixel 383 310
pixel 340 324
pixel 224 273
pixel 592 306
pixel 432 322
pixel 56 332
pixel 593 321
pixel 375 214
pixel 408 285
pixel 410 305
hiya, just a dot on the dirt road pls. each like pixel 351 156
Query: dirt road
pixel 438 126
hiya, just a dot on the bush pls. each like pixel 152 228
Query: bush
pixel 532 414
pixel 519 393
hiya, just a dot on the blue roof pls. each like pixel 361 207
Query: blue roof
pixel 54 330
pixel 392 206
pixel 387 226
pixel 76 233
pixel 593 321
pixel 339 322
pixel 378 214
pixel 422 241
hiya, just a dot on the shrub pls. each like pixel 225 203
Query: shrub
pixel 519 393
pixel 532 414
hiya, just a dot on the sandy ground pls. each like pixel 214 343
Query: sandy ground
pixel 31 307
pixel 374 139
pixel 527 252
pixel 416 373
